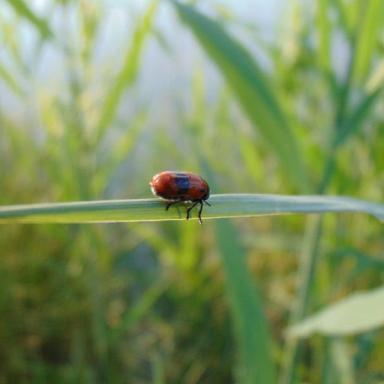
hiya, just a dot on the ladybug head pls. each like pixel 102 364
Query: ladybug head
pixel 206 194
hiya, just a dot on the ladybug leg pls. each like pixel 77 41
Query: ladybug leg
pixel 191 207
pixel 171 203
pixel 200 211
pixel 206 203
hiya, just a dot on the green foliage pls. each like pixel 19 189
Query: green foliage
pixel 171 301
pixel 250 328
pixel 222 206
pixel 252 90
pixel 22 10
pixel 129 71
pixel 358 313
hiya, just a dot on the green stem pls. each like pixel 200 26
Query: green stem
pixel 310 250
pixel 303 291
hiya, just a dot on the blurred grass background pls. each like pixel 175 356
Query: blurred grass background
pixel 97 97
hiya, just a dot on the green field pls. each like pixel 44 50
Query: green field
pixel 283 282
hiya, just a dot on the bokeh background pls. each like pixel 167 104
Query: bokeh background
pixel 98 96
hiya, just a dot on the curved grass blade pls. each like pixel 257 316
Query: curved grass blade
pixel 10 81
pixel 368 36
pixel 324 30
pixel 24 11
pixel 251 88
pixel 250 326
pixel 355 119
pixel 128 72
pixel 236 205
pixel 357 313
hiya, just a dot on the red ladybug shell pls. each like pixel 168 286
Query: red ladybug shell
pixel 177 185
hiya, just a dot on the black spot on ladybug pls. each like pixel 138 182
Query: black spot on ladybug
pixel 183 184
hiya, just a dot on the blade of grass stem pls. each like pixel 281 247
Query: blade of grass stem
pixel 24 11
pixel 250 327
pixel 130 68
pixel 10 81
pixel 357 313
pixel 368 36
pixel 252 90
pixel 342 360
pixel 356 117
pixel 305 275
pixel 143 306
pixel 310 251
pixel 222 206
pixel 323 27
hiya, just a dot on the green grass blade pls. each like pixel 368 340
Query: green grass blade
pixel 24 11
pixel 376 78
pixel 251 88
pixel 10 81
pixel 359 114
pixel 324 30
pixel 118 151
pixel 343 360
pixel 158 369
pixel 368 36
pixel 357 313
pixel 237 205
pixel 137 312
pixel 130 68
pixel 250 327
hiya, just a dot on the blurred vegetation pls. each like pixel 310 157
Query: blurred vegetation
pixel 82 117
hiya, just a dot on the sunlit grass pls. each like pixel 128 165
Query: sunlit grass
pixel 149 297
pixel 144 210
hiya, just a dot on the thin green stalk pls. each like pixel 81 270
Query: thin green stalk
pixel 222 206
pixel 345 92
pixel 310 250
pixel 256 364
pixel 306 274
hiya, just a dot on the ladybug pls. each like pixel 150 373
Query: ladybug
pixel 178 186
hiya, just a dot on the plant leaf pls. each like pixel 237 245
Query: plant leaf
pixel 360 312
pixel 252 90
pixel 368 36
pixel 355 119
pixel 250 327
pixel 10 81
pixel 237 205
pixel 22 9
pixel 129 71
